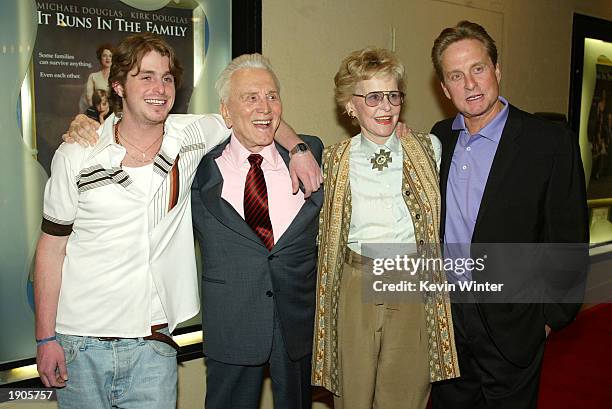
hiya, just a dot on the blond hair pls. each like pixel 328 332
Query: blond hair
pixel 362 65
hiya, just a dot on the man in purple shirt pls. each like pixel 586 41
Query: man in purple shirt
pixel 505 177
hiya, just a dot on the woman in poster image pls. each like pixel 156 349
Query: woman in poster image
pixel 380 187
pixel 99 80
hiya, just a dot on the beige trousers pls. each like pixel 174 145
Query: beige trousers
pixel 382 348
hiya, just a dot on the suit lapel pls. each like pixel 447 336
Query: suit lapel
pixel 210 192
pixel 211 186
pixel 307 212
pixel 503 161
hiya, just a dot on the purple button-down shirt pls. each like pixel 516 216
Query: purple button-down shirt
pixel 468 175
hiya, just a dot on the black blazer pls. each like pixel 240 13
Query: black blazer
pixel 535 193
pixel 243 284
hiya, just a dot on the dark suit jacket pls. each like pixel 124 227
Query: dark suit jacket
pixel 535 193
pixel 243 284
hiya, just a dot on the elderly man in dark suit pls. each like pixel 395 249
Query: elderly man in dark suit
pixel 505 177
pixel 258 245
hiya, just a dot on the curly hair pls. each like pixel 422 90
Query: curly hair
pixel 128 55
pixel 101 48
pixel 362 65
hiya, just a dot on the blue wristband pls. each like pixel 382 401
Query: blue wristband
pixel 43 341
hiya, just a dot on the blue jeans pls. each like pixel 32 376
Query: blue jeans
pixel 125 374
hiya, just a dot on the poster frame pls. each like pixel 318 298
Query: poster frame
pixel 584 27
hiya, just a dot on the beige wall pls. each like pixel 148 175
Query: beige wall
pixel 306 40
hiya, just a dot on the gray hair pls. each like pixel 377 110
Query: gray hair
pixel 243 62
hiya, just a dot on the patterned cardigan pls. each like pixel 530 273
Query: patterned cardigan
pixel 420 184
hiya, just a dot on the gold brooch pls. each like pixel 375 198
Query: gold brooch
pixel 381 160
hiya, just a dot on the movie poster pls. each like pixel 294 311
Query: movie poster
pixel 599 133
pixel 73 54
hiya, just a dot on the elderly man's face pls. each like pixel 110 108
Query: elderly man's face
pixel 253 109
pixel 471 80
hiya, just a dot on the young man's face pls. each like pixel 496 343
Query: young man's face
pixel 471 81
pixel 253 109
pixel 149 95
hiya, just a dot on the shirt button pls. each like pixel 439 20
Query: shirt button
pixel 421 242
pixel 469 148
pixel 464 167
pixel 269 293
pixel 407 192
pixel 418 216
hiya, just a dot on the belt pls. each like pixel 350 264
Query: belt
pixel 155 336
pixel 352 258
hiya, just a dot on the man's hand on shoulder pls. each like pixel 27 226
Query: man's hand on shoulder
pixel 402 130
pixel 82 130
pixel 304 167
pixel 51 365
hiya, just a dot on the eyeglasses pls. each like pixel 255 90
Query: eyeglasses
pixel 374 99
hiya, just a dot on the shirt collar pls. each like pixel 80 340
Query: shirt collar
pixel 170 146
pixel 368 147
pixel 107 132
pixel 106 136
pixel 239 155
pixel 493 129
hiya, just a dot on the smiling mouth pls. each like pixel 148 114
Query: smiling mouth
pixel 156 102
pixel 474 97
pixel 383 119
pixel 261 123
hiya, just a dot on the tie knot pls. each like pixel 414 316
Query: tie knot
pixel 255 159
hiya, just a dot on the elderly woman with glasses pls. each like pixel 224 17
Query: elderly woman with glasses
pixel 380 188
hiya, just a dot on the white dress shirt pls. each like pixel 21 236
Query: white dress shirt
pixel 379 213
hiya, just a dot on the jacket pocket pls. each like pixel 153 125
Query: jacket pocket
pixel 212 280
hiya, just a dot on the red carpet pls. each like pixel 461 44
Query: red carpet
pixel 577 371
